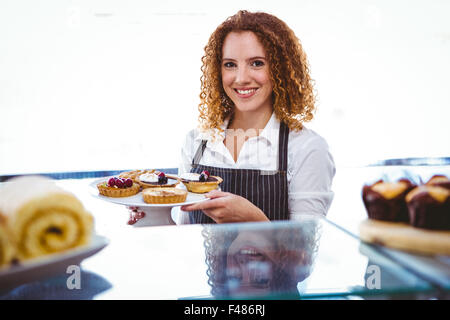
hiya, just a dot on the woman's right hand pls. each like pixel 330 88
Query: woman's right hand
pixel 136 214
pixel 226 207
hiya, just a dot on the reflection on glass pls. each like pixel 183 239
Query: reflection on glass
pixel 258 260
pixel 57 288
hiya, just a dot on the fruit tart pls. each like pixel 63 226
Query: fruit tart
pixel 164 195
pixel 134 174
pixel 156 180
pixel 200 183
pixel 118 187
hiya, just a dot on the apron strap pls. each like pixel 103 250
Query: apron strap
pixel 198 155
pixel 283 139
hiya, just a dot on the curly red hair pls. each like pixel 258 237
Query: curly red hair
pixel 293 95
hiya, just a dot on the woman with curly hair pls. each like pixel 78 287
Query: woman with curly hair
pixel 256 95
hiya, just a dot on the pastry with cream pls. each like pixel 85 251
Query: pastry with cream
pixel 200 182
pixel 156 179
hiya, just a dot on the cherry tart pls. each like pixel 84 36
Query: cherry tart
pixel 117 187
pixel 164 195
pixel 200 182
pixel 156 179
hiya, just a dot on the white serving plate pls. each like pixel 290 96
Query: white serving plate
pixel 49 265
pixel 137 200
pixel 155 214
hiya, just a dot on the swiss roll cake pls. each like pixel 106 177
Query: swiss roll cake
pixel 41 218
pixel 7 247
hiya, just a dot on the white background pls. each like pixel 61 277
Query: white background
pixel 98 85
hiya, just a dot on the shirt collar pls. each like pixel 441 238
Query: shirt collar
pixel 271 130
pixel 269 133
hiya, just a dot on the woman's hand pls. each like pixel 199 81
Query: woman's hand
pixel 135 214
pixel 227 207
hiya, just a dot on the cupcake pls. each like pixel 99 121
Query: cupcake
pixel 164 195
pixel 429 207
pixel 439 180
pixel 386 200
pixel 117 187
pixel 200 182
pixel 156 180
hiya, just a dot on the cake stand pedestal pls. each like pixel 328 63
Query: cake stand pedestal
pixel 155 216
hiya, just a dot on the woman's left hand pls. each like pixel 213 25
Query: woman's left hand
pixel 136 214
pixel 228 207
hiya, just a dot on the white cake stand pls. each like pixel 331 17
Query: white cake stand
pixel 155 214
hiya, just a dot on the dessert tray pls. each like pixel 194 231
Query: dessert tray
pixel 155 214
pixel 408 216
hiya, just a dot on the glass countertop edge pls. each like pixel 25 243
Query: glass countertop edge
pixel 390 253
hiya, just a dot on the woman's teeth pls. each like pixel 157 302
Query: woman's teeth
pixel 248 252
pixel 245 91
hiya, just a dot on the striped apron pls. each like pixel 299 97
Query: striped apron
pixel 268 190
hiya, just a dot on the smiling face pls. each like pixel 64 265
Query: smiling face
pixel 251 260
pixel 245 72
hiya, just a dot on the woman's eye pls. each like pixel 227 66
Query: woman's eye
pixel 229 64
pixel 257 63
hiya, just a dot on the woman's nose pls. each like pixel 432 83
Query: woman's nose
pixel 242 76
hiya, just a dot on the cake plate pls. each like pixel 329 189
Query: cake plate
pixel 155 214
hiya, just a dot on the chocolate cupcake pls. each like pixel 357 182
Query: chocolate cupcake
pixel 439 180
pixel 386 200
pixel 429 207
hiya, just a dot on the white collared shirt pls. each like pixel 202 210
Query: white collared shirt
pixel 310 165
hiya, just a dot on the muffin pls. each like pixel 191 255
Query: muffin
pixel 439 180
pixel 386 200
pixel 429 207
pixel 116 187
pixel 164 195
pixel 200 183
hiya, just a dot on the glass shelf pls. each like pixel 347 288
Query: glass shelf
pixel 309 258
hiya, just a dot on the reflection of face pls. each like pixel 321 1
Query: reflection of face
pixel 245 72
pixel 251 260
